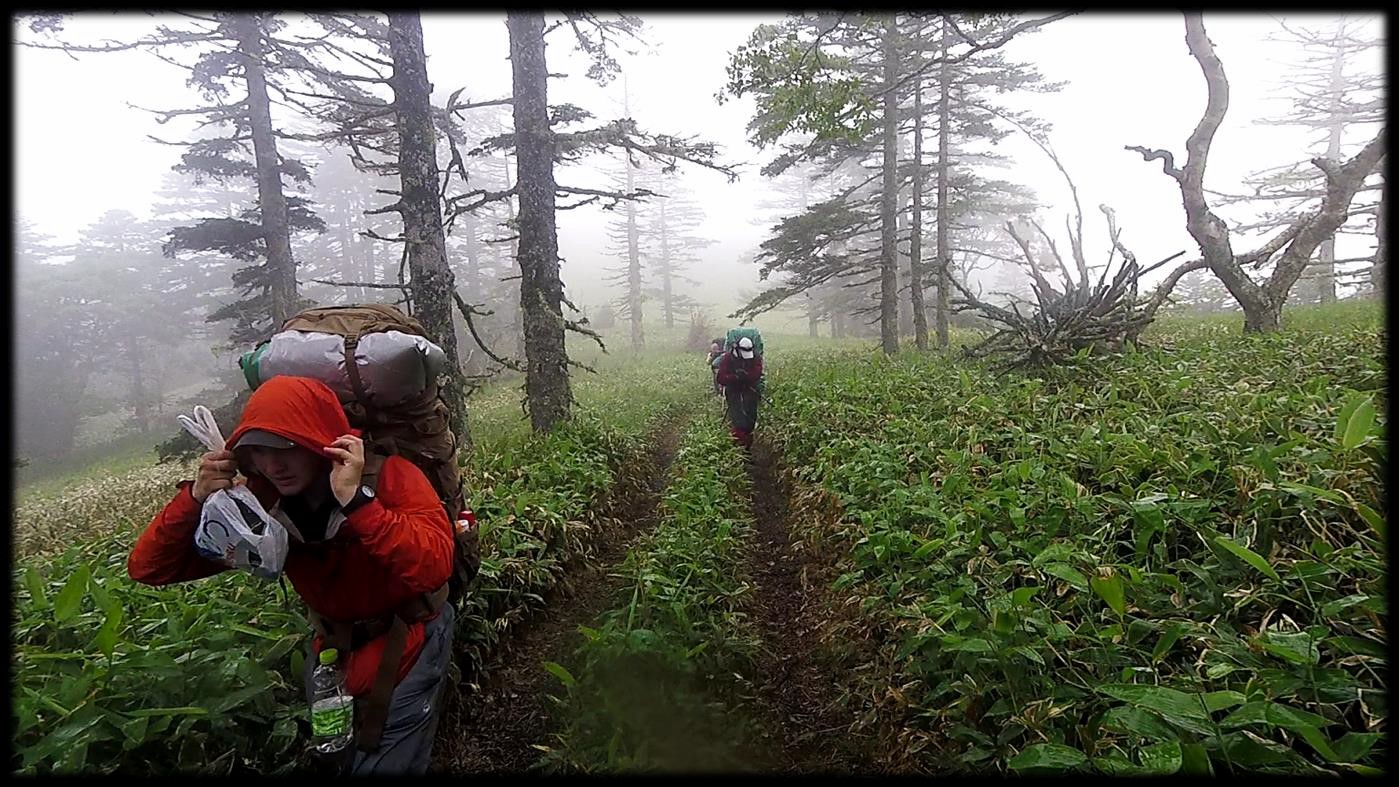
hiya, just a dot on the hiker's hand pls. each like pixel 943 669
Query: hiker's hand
pixel 346 466
pixel 216 471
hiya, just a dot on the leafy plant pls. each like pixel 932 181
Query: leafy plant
pixel 652 677
pixel 1169 561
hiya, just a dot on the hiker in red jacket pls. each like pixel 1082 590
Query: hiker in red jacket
pixel 740 372
pixel 359 557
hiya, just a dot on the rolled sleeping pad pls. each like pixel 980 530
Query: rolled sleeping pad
pixel 393 366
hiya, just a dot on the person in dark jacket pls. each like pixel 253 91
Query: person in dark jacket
pixel 711 359
pixel 357 556
pixel 741 372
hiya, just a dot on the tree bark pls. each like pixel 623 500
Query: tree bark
pixel 1204 226
pixel 371 260
pixel 915 247
pixel 1378 267
pixel 433 285
pixel 888 205
pixel 363 249
pixel 1326 285
pixel 272 202
pixel 346 238
pixel 638 333
pixel 903 316
pixel 1262 305
pixel 1342 181
pixel 944 301
pixel 667 285
pixel 140 402
pixel 547 390
pixel 515 314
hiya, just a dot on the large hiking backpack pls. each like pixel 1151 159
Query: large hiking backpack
pixel 738 333
pixel 384 370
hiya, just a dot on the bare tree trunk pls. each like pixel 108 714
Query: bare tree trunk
pixel 1326 285
pixel 362 249
pixel 888 204
pixel 541 291
pixel 638 334
pixel 1262 304
pixel 666 275
pixel 140 403
pixel 434 286
pixel 516 314
pixel 346 236
pixel 915 247
pixel 272 203
pixel 1208 230
pixel 944 302
pixel 903 316
pixel 374 271
pixel 634 294
pixel 158 394
pixel 1378 267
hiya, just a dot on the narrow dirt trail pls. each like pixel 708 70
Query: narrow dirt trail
pixel 803 731
pixel 495 730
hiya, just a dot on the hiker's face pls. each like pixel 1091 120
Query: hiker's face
pixel 291 470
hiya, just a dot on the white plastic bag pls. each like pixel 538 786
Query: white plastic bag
pixel 234 529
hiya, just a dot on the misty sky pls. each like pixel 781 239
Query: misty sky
pixel 81 150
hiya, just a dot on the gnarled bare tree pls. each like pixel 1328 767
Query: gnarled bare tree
pixel 1290 250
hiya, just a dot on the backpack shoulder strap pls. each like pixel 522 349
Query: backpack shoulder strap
pixel 352 369
pixel 373 466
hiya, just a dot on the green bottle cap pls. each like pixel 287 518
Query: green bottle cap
pixel 329 655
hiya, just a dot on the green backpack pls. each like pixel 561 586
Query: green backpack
pixel 738 333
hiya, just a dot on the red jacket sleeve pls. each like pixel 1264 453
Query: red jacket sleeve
pixel 726 374
pixel 164 553
pixel 405 527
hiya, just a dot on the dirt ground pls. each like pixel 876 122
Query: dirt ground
pixel 496 730
pixel 803 730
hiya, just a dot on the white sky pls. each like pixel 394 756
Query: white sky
pixel 80 150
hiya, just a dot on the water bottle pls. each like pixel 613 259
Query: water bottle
pixel 332 707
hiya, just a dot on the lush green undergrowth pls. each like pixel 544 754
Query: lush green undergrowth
pixel 1169 561
pixel 111 675
pixel 645 690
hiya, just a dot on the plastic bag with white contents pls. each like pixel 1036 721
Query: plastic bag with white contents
pixel 234 529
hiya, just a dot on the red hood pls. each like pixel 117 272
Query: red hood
pixel 300 409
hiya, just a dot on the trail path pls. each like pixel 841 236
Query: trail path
pixel 497 728
pixel 796 693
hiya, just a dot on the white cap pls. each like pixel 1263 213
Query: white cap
pixel 745 347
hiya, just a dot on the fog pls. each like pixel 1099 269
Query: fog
pixel 83 144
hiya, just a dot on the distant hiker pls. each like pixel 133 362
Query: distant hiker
pixel 371 563
pixel 716 351
pixel 741 374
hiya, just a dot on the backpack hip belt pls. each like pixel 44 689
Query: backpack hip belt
pixel 372 709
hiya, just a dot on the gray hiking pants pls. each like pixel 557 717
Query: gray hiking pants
pixel 414 709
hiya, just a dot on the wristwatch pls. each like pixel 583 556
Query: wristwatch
pixel 362 497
